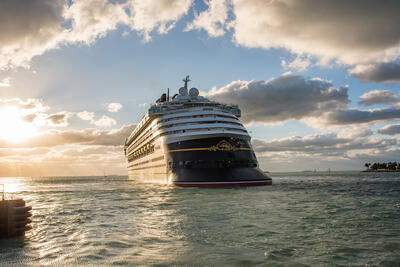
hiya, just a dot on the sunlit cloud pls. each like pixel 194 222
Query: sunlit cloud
pixel 114 107
pixel 61 22
pixel 5 82
pixel 213 20
pixel 104 120
pixel 13 127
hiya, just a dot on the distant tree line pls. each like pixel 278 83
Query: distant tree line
pixel 376 166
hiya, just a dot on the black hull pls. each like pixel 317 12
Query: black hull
pixel 214 162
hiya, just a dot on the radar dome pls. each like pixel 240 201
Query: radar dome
pixel 194 92
pixel 183 91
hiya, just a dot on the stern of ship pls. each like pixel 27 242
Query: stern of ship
pixel 214 162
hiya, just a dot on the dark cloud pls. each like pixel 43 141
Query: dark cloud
pixel 356 116
pixel 383 72
pixel 114 137
pixel 390 129
pixel 354 32
pixel 28 28
pixel 58 119
pixel 286 97
pixel 378 97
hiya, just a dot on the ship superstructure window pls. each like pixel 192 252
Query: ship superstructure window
pixel 141 152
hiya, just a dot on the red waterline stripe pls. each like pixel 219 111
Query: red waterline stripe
pixel 223 184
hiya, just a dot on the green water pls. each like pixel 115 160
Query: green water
pixel 318 219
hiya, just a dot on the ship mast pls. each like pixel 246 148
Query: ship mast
pixel 186 81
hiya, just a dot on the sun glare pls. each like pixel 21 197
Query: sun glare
pixel 12 126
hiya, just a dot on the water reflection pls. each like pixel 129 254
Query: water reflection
pixel 97 220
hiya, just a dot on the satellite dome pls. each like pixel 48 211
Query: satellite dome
pixel 194 92
pixel 183 91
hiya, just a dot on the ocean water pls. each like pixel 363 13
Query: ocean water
pixel 319 219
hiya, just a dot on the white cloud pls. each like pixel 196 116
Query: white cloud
pixel 104 120
pixel 213 19
pixel 5 82
pixel 60 22
pixel 158 15
pixel 86 115
pixel 114 107
pixel 299 63
pixel 354 132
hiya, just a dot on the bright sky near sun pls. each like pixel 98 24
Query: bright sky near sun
pixel 317 89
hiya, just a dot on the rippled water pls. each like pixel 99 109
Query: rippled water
pixel 302 219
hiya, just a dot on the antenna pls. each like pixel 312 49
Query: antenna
pixel 168 95
pixel 186 81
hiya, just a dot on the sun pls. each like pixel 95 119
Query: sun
pixel 12 127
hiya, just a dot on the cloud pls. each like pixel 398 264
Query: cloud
pixel 92 19
pixel 283 98
pixel 67 160
pixel 383 72
pixel 158 15
pixel 5 82
pixel 32 28
pixel 58 119
pixel 114 107
pixel 104 121
pixel 86 115
pixel 323 151
pixel 28 29
pixel 356 116
pixel 354 132
pixel 390 129
pixel 29 106
pixel 322 145
pixel 211 20
pixel 378 97
pixel 355 32
pixel 66 152
pixel 114 137
pixel 299 63
pixel 34 111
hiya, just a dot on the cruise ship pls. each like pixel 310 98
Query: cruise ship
pixel 188 140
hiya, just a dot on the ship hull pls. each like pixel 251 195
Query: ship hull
pixel 223 161
pixel 214 162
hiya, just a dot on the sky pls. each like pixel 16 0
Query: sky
pixel 317 81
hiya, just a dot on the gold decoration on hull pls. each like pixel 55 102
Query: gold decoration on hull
pixel 222 145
